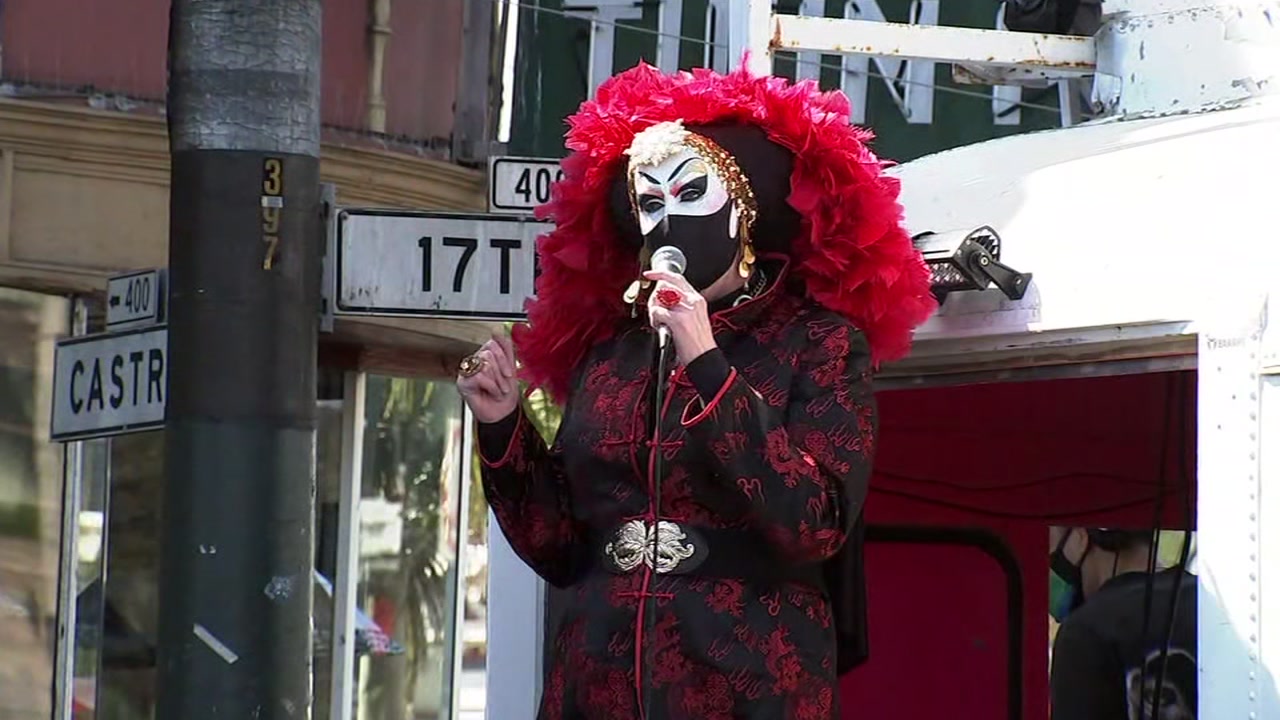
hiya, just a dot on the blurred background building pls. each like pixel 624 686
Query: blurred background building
pixel 84 194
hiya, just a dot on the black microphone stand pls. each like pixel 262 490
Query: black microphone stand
pixel 663 356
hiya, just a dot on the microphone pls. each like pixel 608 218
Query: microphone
pixel 667 258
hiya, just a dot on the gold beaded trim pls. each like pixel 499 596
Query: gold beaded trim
pixel 726 168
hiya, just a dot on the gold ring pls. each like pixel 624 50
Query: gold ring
pixel 471 365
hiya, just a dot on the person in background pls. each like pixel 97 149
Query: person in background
pixel 1107 657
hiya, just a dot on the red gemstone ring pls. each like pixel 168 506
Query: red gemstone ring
pixel 668 297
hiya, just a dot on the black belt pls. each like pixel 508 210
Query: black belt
pixel 699 551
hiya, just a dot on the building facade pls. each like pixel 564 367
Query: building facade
pixel 915 108
pixel 84 195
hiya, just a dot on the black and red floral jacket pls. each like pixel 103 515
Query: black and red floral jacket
pixel 764 452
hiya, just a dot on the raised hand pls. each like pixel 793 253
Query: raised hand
pixel 487 379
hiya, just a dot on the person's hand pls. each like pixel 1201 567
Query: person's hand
pixel 686 318
pixel 487 379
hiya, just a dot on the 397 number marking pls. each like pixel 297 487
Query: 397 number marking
pixel 469 246
pixel 272 207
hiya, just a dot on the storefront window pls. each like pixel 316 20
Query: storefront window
pixel 408 525
pixel 127 684
pixel 408 530
pixel 30 502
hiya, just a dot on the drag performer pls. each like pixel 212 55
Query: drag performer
pixel 707 558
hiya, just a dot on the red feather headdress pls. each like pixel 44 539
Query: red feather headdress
pixel 852 253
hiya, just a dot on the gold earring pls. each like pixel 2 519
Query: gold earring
pixel 748 260
pixel 632 293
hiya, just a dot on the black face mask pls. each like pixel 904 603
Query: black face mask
pixel 704 240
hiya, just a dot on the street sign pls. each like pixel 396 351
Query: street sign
pixel 135 299
pixel 110 384
pixel 441 265
pixel 520 184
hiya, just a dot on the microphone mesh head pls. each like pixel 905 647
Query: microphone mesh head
pixel 668 256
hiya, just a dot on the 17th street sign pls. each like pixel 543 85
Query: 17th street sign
pixel 441 265
pixel 110 384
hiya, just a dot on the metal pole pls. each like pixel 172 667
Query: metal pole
pixel 1233 680
pixel 747 24
pixel 1268 477
pixel 347 576
pixel 457 635
pixel 670 29
pixel 244 263
pixel 68 588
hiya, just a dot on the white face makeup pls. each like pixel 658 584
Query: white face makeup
pixel 682 184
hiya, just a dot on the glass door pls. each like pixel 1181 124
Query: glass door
pixel 406 550
pixel 31 503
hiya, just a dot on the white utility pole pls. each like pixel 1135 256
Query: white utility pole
pixel 604 16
